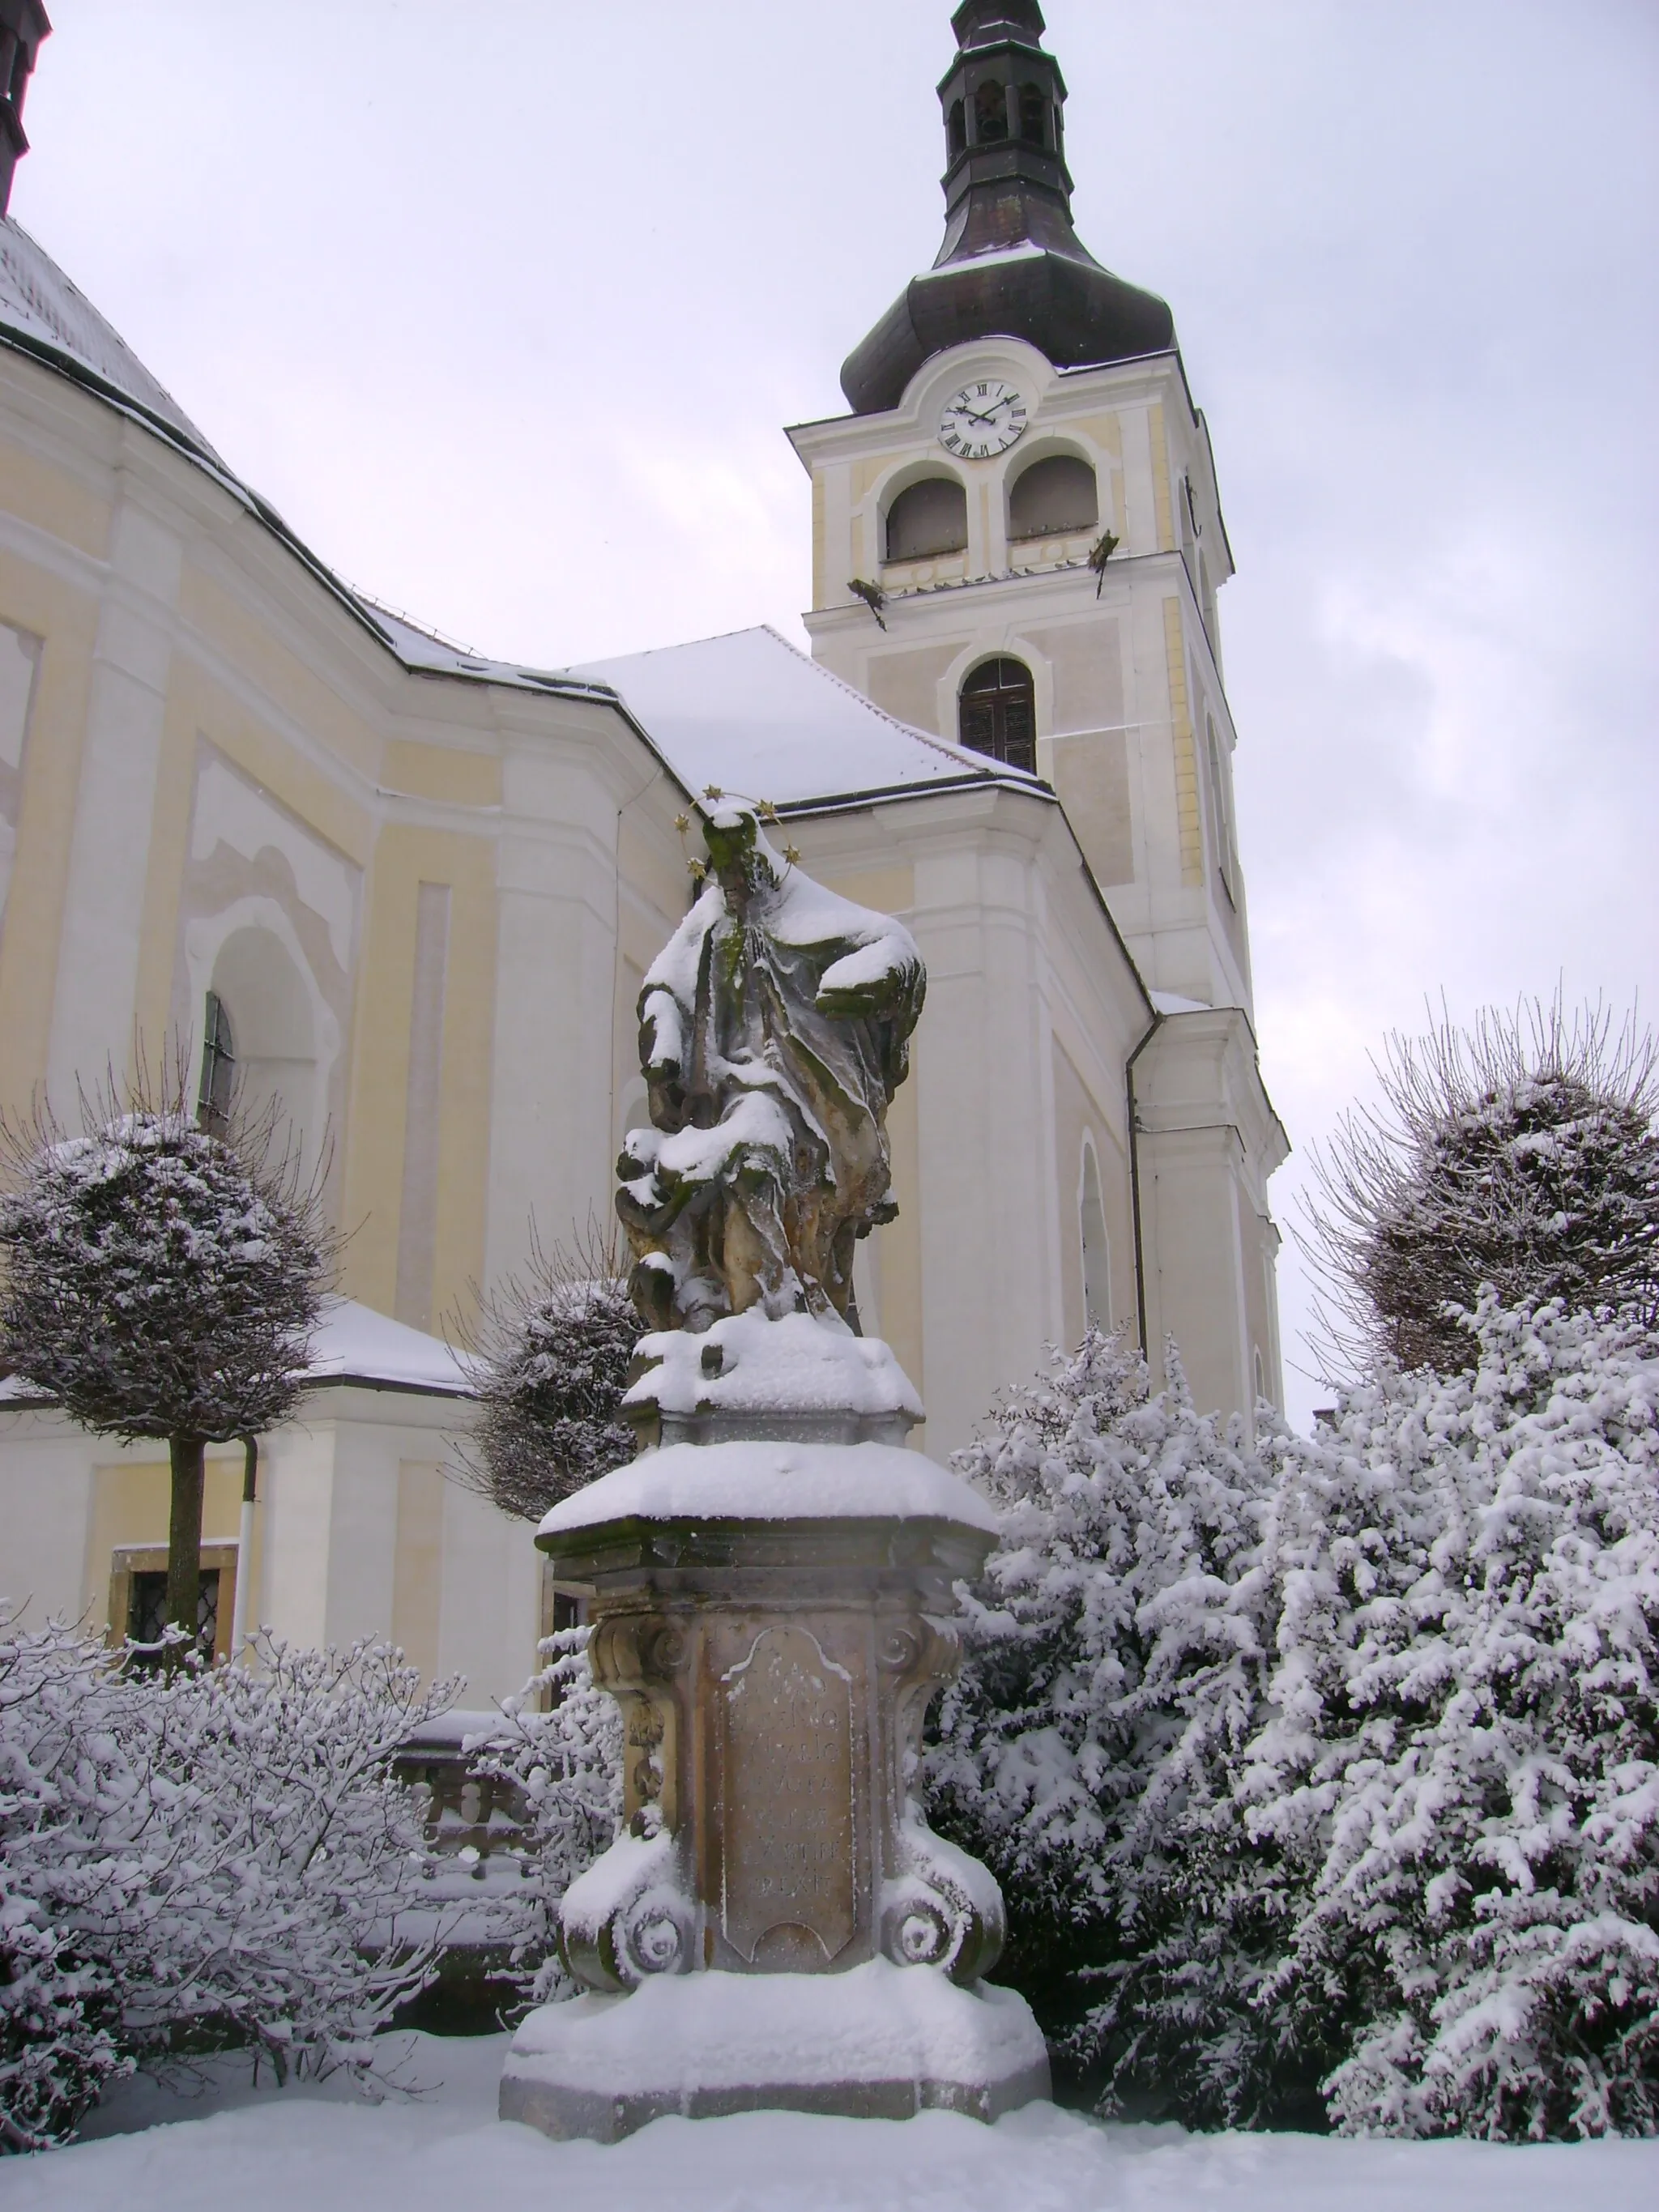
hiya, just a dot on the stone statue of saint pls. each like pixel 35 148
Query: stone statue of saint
pixel 774 1031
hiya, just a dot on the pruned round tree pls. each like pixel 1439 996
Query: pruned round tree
pixel 1520 1153
pixel 549 1354
pixel 159 1281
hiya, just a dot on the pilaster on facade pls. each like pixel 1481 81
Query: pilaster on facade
pixel 98 964
pixel 1207 1141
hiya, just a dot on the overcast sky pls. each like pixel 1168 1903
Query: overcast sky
pixel 504 304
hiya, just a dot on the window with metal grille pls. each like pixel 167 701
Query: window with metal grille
pixel 147 1608
pixel 218 1068
pixel 997 713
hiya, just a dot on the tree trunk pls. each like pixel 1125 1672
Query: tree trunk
pixel 188 1456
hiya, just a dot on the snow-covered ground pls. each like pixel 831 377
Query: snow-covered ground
pixel 323 2151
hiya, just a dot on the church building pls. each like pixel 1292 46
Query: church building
pixel 247 814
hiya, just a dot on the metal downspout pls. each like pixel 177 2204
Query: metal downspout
pixel 1156 1023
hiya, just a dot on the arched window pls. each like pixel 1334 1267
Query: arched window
pixel 1033 115
pixel 1096 1247
pixel 997 713
pixel 956 129
pixel 273 1059
pixel 990 115
pixel 1053 495
pixel 927 518
pixel 218 1068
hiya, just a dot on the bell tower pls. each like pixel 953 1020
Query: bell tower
pixel 1017 541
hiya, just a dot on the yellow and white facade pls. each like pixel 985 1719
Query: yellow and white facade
pixel 423 889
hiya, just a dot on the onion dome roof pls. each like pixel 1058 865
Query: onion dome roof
pixel 1010 264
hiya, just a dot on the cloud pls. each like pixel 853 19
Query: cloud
pixel 505 312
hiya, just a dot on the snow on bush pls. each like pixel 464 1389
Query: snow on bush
pixel 159 1281
pixel 215 1857
pixel 1463 1749
pixel 1337 1765
pixel 1520 1155
pixel 154 1284
pixel 57 2007
pixel 549 1358
pixel 564 1763
pixel 1115 1656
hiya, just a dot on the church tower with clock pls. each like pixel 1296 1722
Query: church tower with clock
pixel 406 896
pixel 1017 541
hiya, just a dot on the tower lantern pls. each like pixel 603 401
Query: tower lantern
pixel 1003 99
pixel 1011 262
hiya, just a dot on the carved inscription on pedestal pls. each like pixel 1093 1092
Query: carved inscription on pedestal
pixel 787 1778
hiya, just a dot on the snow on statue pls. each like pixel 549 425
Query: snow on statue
pixel 774 1031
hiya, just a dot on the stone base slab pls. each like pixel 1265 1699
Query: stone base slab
pixel 878 2042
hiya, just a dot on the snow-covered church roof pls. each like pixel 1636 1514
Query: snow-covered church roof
pixel 748 713
pixel 41 311
pixel 745 711
pixel 352 1345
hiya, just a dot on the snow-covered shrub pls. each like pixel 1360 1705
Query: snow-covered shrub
pixel 56 2048
pixel 549 1355
pixel 1115 1658
pixel 56 2007
pixel 159 1281
pixel 1522 1156
pixel 221 1856
pixel 1462 1748
pixel 564 1762
pixel 1332 1769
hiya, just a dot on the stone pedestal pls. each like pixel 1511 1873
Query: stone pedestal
pixel 774 1617
pixel 879 2042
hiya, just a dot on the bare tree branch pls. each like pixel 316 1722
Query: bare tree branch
pixel 549 1354
pixel 1520 1153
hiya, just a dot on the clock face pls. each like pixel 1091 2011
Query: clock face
pixel 983 419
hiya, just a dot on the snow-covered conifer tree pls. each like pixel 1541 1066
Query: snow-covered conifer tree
pixel 1522 1154
pixel 160 1280
pixel 1115 1656
pixel 1461 1748
pixel 549 1356
pixel 1333 1771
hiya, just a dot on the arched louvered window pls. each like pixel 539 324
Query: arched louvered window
pixel 1055 495
pixel 957 130
pixel 927 518
pixel 997 713
pixel 1033 113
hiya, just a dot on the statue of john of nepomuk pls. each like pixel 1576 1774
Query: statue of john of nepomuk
pixel 774 1031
